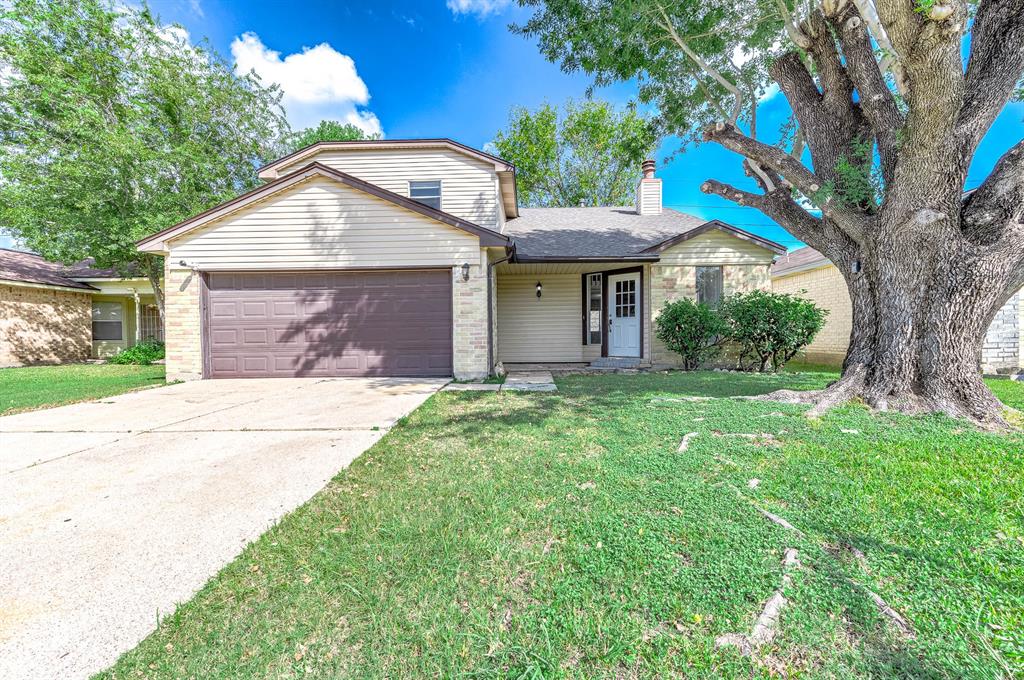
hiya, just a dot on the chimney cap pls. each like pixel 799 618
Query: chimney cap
pixel 648 168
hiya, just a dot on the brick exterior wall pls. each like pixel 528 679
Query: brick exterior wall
pixel 1001 351
pixel 469 322
pixel 826 288
pixel 673 282
pixel 44 326
pixel 182 328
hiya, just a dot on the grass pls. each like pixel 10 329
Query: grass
pixel 532 535
pixel 33 387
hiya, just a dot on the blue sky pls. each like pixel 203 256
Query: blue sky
pixel 451 68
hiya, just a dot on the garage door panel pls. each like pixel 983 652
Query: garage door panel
pixel 337 323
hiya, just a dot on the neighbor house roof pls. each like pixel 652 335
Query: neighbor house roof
pixel 31 268
pixel 157 241
pixel 609 233
pixel 800 259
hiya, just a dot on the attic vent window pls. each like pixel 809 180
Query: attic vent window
pixel 427 193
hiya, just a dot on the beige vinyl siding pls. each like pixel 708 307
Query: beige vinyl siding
pixel 548 328
pixel 320 223
pixel 469 187
pixel 716 248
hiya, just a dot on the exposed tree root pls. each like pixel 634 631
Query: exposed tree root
pixel 983 410
pixel 767 621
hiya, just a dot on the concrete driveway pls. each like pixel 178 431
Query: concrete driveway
pixel 113 512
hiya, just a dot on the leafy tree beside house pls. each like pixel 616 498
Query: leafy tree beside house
pixel 887 115
pixel 113 126
pixel 328 131
pixel 590 154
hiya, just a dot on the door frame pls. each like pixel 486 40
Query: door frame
pixel 604 305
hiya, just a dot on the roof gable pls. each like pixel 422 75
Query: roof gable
pixel 157 242
pixel 722 227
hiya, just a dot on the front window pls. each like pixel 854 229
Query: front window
pixel 594 314
pixel 709 286
pixel 107 321
pixel 427 193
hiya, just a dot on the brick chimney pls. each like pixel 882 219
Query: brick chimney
pixel 648 192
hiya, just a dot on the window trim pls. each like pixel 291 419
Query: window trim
pixel 721 287
pixel 440 192
pixel 585 286
pixel 120 322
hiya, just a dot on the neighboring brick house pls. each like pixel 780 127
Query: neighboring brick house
pixel 51 313
pixel 810 274
pixel 412 257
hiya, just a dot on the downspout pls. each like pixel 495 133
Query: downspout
pixel 490 309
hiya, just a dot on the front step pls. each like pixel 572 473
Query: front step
pixel 616 362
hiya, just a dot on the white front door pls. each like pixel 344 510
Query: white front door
pixel 624 315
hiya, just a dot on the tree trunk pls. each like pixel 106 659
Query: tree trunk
pixel 921 308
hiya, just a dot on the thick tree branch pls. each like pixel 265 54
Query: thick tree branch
pixel 995 66
pixel 876 100
pixel 792 170
pixel 778 205
pixel 993 213
pixel 890 63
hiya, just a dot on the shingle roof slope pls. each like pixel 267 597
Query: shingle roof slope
pixel 799 258
pixel 594 232
pixel 31 268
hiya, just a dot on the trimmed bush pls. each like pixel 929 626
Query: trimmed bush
pixel 770 328
pixel 693 331
pixel 143 354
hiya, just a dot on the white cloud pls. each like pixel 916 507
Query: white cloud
pixel 318 83
pixel 478 7
pixel 196 8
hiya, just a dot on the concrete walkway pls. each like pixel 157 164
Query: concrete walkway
pixel 516 381
pixel 113 512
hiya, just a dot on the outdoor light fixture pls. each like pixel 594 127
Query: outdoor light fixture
pixel 465 271
pixel 539 288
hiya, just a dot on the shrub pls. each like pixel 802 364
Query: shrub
pixel 144 353
pixel 770 328
pixel 693 331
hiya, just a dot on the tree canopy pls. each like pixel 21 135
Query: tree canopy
pixel 113 126
pixel 327 131
pixel 590 154
pixel 890 100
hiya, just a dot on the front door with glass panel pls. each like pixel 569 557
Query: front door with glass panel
pixel 624 315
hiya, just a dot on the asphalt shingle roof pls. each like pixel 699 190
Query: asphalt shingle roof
pixel 799 258
pixel 31 268
pixel 594 232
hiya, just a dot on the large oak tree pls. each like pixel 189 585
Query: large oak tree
pixel 890 99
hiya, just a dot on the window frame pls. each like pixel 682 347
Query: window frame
pixel 721 284
pixel 440 192
pixel 96 304
pixel 588 281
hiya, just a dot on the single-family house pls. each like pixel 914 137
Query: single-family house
pixel 808 273
pixel 52 313
pixel 413 258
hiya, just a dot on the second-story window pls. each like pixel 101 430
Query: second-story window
pixel 427 193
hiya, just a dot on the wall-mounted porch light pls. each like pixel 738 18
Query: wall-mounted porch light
pixel 540 288
pixel 465 271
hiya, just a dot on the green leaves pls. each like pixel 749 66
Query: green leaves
pixel 327 131
pixel 770 328
pixel 113 127
pixel 591 154
pixel 692 330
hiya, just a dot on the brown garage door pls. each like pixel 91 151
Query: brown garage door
pixel 336 323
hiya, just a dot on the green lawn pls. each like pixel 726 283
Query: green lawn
pixel 23 389
pixel 563 535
